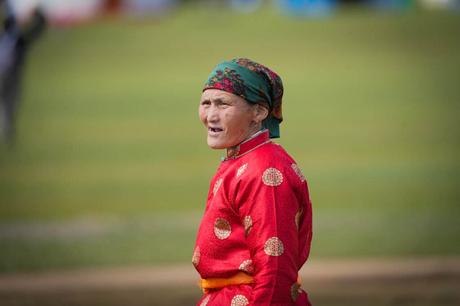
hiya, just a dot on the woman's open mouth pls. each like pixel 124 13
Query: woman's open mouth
pixel 214 130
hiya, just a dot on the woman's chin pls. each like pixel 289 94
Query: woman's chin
pixel 215 146
pixel 221 144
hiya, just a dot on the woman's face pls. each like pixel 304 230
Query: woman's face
pixel 229 119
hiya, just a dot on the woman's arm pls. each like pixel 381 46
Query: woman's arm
pixel 270 209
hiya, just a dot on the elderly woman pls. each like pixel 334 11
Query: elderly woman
pixel 256 231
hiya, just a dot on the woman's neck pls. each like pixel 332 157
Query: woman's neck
pixel 234 150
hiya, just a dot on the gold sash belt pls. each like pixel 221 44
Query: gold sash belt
pixel 239 278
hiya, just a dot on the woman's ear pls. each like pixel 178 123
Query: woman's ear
pixel 260 113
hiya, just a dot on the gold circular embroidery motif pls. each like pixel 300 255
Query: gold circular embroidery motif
pixel 295 291
pixel 298 172
pixel 241 170
pixel 217 185
pixel 272 177
pixel 247 222
pixel 247 266
pixel 205 300
pixel 239 300
pixel 222 228
pixel 196 256
pixel 274 247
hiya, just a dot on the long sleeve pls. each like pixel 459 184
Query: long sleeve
pixel 269 205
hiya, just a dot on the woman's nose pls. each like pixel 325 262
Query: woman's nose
pixel 213 114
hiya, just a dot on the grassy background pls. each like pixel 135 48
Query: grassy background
pixel 111 165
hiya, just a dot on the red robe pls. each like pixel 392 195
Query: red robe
pixel 258 220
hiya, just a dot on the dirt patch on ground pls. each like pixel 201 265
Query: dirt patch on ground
pixel 427 281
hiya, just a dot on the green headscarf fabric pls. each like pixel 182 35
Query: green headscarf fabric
pixel 253 82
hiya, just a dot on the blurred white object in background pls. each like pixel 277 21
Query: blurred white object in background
pixel 67 12
pixel 57 11
pixel 22 9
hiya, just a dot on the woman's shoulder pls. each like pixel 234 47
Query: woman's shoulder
pixel 269 156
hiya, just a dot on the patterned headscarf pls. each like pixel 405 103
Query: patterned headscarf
pixel 253 82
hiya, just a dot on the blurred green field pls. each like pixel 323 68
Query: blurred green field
pixel 111 165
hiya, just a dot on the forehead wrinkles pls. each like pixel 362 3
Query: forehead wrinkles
pixel 220 96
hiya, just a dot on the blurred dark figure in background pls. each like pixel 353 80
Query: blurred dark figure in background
pixel 14 45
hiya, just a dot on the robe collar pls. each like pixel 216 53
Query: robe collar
pixel 256 140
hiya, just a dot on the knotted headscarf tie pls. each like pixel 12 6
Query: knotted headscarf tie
pixel 253 82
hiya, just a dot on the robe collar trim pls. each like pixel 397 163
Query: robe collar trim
pixel 256 140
